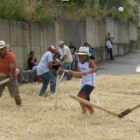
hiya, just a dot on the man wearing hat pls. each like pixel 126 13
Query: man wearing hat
pixel 8 69
pixel 66 57
pixel 43 70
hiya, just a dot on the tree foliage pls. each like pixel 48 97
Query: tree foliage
pixel 43 10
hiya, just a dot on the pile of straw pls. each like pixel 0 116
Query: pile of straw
pixel 36 119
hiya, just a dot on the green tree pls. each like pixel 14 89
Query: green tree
pixel 110 3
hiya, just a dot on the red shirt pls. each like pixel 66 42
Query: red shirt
pixel 4 63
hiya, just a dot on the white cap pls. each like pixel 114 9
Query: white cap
pixel 60 42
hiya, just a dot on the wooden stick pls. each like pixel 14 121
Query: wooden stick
pixel 6 80
pixel 56 93
pixel 93 105
pixel 101 69
pixel 62 75
pixel 127 111
pixel 74 72
pixel 79 73
pixel 58 80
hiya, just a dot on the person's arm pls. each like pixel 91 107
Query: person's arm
pixel 74 74
pixel 12 69
pixel 65 52
pixel 49 59
pixel 74 49
pixel 112 37
pixel 63 57
pixel 33 62
pixel 2 74
pixel 56 62
pixel 50 65
pixel 12 66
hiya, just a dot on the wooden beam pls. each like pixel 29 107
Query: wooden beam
pixel 5 80
pixel 94 105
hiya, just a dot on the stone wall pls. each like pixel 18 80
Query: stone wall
pixel 26 36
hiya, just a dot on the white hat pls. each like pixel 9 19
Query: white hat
pixel 83 51
pixel 2 44
pixel 60 42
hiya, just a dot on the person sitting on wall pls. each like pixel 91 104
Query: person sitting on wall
pixel 32 61
pixel 33 65
pixel 56 61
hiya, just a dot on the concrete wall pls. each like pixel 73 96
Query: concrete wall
pixel 68 30
pixel 96 31
pixel 26 36
pixel 125 36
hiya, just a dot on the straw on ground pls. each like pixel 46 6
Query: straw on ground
pixel 36 119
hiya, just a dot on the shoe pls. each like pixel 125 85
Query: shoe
pixel 18 101
pixel 90 109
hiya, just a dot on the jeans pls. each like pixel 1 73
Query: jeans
pixel 74 63
pixel 67 66
pixel 46 79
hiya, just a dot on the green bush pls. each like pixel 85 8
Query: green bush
pixel 42 10
pixel 12 10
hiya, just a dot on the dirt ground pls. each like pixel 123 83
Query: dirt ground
pixel 36 119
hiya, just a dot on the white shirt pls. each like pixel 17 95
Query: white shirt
pixel 43 64
pixel 108 44
pixel 65 51
pixel 110 36
pixel 89 79
pixel 34 68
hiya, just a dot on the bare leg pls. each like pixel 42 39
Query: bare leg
pixel 91 110
pixel 14 91
pixel 83 107
pixel 18 100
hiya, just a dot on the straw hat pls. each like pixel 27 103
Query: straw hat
pixel 3 44
pixel 83 51
pixel 60 42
